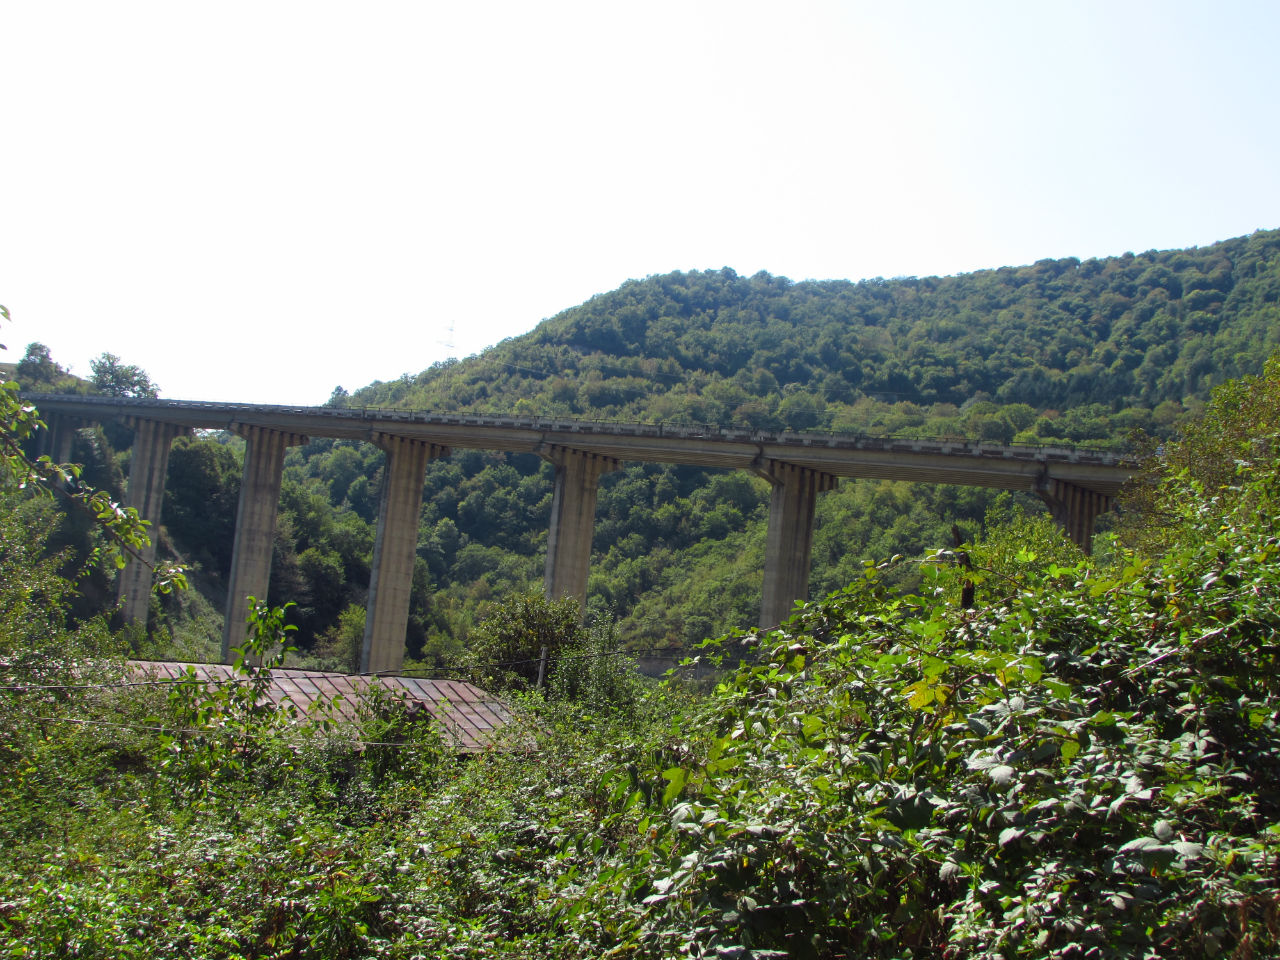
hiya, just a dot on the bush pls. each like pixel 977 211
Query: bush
pixel 504 651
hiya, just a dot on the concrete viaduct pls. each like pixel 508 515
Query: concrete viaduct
pixel 1076 485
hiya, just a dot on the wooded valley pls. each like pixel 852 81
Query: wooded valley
pixel 992 748
pixel 1093 353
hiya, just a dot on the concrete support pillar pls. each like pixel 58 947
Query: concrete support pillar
pixel 573 514
pixel 790 539
pixel 255 526
pixel 1073 509
pixel 149 463
pixel 55 440
pixel 394 550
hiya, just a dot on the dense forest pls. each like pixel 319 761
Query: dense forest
pixel 1035 754
pixel 1093 352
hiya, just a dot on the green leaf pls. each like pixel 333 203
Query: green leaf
pixel 677 776
pixel 1009 834
pixel 1189 851
pixel 1001 773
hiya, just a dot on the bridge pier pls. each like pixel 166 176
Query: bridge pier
pixel 789 546
pixel 255 526
pixel 148 466
pixel 1077 485
pixel 394 550
pixel 1073 508
pixel 55 440
pixel 573 514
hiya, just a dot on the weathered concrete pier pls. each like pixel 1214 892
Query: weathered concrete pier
pixel 1077 485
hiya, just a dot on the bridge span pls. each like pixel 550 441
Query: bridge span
pixel 1077 485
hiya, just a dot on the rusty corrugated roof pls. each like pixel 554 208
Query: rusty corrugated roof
pixel 463 713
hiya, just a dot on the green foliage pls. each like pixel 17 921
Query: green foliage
pixel 1083 762
pixel 201 495
pixel 1085 765
pixel 225 728
pixel 1238 427
pixel 220 824
pixel 37 371
pixel 118 379
pixel 1016 536
pixel 120 529
pixel 339 648
pixel 506 649
pixel 597 675
pixel 1057 352
pixel 1125 333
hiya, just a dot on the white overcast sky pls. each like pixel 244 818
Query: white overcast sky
pixel 259 201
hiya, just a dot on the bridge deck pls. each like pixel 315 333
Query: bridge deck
pixel 967 462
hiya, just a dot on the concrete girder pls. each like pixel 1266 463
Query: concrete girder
pixel 1076 484
pixel 965 462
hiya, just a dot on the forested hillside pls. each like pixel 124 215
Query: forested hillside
pixel 1037 755
pixel 1061 351
pixel 1117 337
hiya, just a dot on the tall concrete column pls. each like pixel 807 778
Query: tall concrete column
pixel 149 463
pixel 1073 509
pixel 573 515
pixel 54 441
pixel 255 526
pixel 790 541
pixel 394 550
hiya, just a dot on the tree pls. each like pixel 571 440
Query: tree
pixel 801 411
pixel 200 499
pixel 118 379
pixel 37 371
pixel 505 649
pixel 122 530
pixel 1235 433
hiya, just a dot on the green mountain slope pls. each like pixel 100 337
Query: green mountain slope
pixel 1129 332
pixel 1059 351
